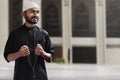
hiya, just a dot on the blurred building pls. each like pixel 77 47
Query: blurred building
pixel 82 31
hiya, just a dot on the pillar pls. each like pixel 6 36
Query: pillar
pixel 100 31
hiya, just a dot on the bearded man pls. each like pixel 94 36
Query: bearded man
pixel 29 46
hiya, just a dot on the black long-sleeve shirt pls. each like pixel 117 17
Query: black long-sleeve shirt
pixel 20 37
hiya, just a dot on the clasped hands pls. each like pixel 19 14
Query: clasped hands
pixel 25 51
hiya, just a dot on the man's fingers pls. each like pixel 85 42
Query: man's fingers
pixel 39 46
pixel 25 50
pixel 24 46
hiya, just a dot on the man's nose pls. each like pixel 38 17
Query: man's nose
pixel 35 13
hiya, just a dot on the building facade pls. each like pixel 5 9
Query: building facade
pixel 82 31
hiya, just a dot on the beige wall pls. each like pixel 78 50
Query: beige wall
pixel 3 25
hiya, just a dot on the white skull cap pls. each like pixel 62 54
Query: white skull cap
pixel 29 5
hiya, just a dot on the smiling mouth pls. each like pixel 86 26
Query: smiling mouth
pixel 35 19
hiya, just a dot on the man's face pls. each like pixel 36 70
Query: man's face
pixel 31 15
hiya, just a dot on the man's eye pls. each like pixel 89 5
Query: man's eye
pixel 31 11
pixel 37 11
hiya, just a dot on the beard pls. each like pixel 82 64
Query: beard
pixel 32 20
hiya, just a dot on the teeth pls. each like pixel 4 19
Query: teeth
pixel 34 19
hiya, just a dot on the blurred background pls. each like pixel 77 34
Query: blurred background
pixel 85 35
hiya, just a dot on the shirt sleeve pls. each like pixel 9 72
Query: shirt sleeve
pixel 9 46
pixel 48 46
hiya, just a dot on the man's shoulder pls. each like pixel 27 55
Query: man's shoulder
pixel 16 29
pixel 42 30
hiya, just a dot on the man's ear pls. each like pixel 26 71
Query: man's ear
pixel 23 14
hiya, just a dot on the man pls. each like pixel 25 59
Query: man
pixel 29 46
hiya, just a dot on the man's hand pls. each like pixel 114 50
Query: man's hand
pixel 39 50
pixel 24 51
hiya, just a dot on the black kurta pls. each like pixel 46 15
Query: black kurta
pixel 20 37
